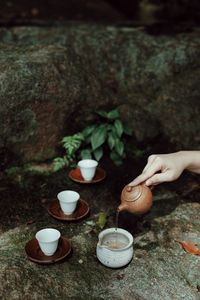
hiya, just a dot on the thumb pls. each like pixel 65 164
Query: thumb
pixel 157 178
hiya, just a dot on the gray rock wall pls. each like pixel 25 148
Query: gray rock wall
pixel 53 78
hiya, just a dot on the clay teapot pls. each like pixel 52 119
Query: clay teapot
pixel 136 199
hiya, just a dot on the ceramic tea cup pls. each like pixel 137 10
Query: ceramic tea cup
pixel 115 247
pixel 68 201
pixel 88 168
pixel 48 240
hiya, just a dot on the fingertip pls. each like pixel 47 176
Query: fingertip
pixel 132 183
pixel 148 182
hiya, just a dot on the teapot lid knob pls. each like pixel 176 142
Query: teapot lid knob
pixel 135 192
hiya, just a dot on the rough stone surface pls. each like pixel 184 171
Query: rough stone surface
pixel 52 79
pixel 160 269
pixel 43 85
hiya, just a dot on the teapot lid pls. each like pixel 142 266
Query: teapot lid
pixel 132 193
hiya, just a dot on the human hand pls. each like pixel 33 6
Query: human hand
pixel 170 166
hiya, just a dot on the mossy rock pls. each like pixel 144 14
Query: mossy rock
pixel 53 78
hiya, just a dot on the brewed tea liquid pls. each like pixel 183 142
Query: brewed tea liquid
pixel 115 240
pixel 116 226
pixel 116 244
pixel 116 219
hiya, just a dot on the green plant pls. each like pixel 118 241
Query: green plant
pixel 71 144
pixel 108 132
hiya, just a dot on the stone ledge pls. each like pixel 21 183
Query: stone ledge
pixel 160 267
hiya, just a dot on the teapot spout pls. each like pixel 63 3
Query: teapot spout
pixel 122 207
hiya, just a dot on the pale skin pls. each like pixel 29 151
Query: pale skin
pixel 168 167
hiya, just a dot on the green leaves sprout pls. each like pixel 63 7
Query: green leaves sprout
pixel 107 134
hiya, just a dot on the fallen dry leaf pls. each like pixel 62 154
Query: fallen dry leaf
pixel 102 219
pixel 190 248
pixel 30 222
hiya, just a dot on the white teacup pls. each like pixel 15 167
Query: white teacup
pixel 48 240
pixel 68 201
pixel 88 168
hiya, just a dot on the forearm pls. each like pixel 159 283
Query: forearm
pixel 191 159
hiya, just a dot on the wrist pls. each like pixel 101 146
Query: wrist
pixel 191 160
pixel 185 158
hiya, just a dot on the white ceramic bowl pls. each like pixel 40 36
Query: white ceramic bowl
pixel 109 256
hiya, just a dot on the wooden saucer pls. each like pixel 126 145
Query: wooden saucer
pixel 35 254
pixel 76 176
pixel 81 211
